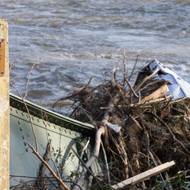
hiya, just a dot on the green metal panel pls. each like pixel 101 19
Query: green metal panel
pixel 50 116
pixel 29 124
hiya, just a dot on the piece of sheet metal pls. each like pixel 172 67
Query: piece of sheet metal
pixel 27 128
pixel 178 88
pixel 52 117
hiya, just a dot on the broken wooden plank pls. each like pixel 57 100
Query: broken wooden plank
pixel 145 175
pixel 159 93
pixel 4 106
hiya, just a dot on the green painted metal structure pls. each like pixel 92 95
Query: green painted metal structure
pixel 32 124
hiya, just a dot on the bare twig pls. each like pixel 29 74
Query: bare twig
pixel 28 81
pixel 31 123
pixel 27 110
pixel 74 94
pixel 156 164
pixel 62 184
pixel 131 89
pixel 46 157
pixel 124 67
pixel 173 135
pixel 134 67
pixel 146 79
pixel 106 163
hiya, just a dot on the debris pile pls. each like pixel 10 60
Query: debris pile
pixel 139 127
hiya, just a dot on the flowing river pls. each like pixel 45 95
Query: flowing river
pixel 56 45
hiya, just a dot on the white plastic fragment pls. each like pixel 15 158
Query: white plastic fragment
pixel 114 127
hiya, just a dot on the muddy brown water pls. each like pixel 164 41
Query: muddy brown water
pixel 70 41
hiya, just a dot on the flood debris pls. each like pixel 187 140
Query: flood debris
pixel 177 87
pixel 141 126
pixel 142 137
